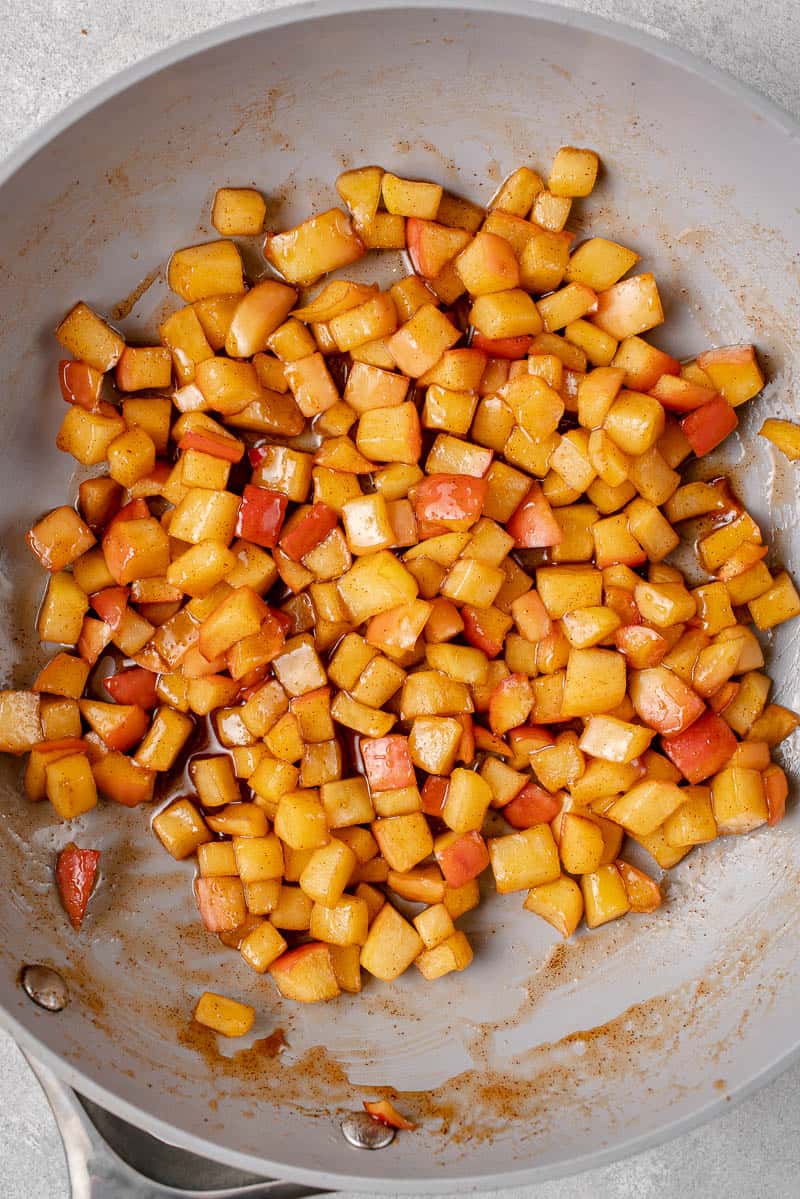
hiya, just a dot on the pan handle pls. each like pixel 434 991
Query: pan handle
pixel 97 1172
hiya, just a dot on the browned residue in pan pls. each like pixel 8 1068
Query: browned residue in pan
pixel 124 307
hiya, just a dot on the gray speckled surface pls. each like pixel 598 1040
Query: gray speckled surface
pixel 52 52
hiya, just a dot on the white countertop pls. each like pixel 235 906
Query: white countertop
pixel 53 50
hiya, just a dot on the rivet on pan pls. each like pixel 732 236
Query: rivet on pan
pixel 45 987
pixel 362 1132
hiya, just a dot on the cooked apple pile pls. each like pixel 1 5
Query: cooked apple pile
pixel 403 556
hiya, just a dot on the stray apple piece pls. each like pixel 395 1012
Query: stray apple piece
pixel 225 1016
pixel 574 172
pixel 384 1112
pixel 76 873
pixel 238 212
pixel 784 434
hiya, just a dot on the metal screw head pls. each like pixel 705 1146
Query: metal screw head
pixel 45 987
pixel 362 1132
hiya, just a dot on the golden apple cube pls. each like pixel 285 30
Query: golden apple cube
pixel 560 903
pixel 346 802
pixel 344 922
pixel 87 435
pixel 390 434
pixel 300 820
pixel 212 269
pixel 61 615
pixel 595 682
pixel 604 896
pixel 738 800
pixel 574 172
pixel 87 337
pixel 524 860
pixel 550 211
pixel 646 806
pixel 468 800
pixel 404 840
pixel 225 1016
pixel 321 244
pixel 261 947
pixel 614 740
pixel 181 829
pixel 600 263
pixel 420 342
pixel 629 307
pixel 215 859
pixel 164 740
pixel 258 858
pixel 375 583
pixel 238 212
pixel 581 844
pixel 434 925
pixel 433 743
pixel 70 785
pixel 391 946
pixel 328 872
pixel 781 602
pixel 453 954
pixel 693 823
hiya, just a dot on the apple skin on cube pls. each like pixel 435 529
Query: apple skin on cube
pixel 502 347
pixel 734 371
pixel 663 701
pixel 709 424
pixel 776 791
pixel 461 856
pixel 630 307
pixel 306 974
pixel 387 762
pixel 261 516
pixel 452 502
pixel 532 806
pixel 532 524
pixel 431 246
pixel 221 903
pixel 702 749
